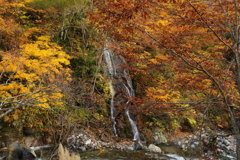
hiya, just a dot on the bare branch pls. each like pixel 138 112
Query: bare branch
pixel 2 73
pixel 26 99
pixel 98 68
pixel 10 110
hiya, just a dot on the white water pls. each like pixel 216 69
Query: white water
pixel 136 136
pixel 121 75
pixel 107 53
pixel 113 117
pixel 113 110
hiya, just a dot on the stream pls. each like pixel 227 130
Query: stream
pixel 140 155
pixel 169 152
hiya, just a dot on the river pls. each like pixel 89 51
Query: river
pixel 170 152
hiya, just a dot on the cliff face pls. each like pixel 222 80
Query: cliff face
pixel 121 88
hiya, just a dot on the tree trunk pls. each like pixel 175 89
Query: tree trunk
pixel 235 130
pixel 238 146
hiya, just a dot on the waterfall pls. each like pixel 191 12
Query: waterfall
pixel 113 110
pixel 107 54
pixel 120 84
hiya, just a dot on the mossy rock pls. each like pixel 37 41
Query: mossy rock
pixel 188 124
pixel 159 137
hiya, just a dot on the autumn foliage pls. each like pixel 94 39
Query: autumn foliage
pixel 182 55
pixel 188 50
pixel 32 67
pixel 50 79
pixel 177 43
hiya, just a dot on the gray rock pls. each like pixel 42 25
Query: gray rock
pixel 18 152
pixel 225 142
pixel 154 148
pixel 158 137
pixel 193 146
pixel 179 143
pixel 88 142
pixel 183 146
pixel 196 143
pixel 130 148
pixel 82 148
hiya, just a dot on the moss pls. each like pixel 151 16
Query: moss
pixel 174 125
pixel 98 117
pixel 188 124
pixel 79 115
pixel 192 122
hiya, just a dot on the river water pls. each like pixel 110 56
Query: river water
pixel 132 155
pixel 169 152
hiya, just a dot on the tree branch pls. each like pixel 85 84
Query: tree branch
pixel 228 20
pixel 209 27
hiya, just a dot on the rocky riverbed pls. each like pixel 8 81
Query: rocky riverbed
pixel 84 142
pixel 204 143
pixel 209 143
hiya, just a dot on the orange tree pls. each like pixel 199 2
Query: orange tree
pixel 198 42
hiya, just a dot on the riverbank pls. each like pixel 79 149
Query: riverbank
pixel 206 144
pixel 202 144
pixel 209 143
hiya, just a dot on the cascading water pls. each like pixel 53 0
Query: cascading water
pixel 107 54
pixel 121 87
pixel 113 111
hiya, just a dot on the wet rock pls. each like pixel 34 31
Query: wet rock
pixel 159 137
pixel 211 141
pixel 179 143
pixel 225 142
pixel 183 146
pixel 154 148
pixel 80 141
pixel 30 141
pixel 138 145
pixel 83 141
pixel 82 148
pixel 193 146
pixel 87 142
pixel 18 152
pixel 196 143
pixel 130 148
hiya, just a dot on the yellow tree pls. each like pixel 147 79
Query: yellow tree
pixel 31 77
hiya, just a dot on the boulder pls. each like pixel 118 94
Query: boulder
pixel 18 152
pixel 154 148
pixel 159 137
pixel 81 141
